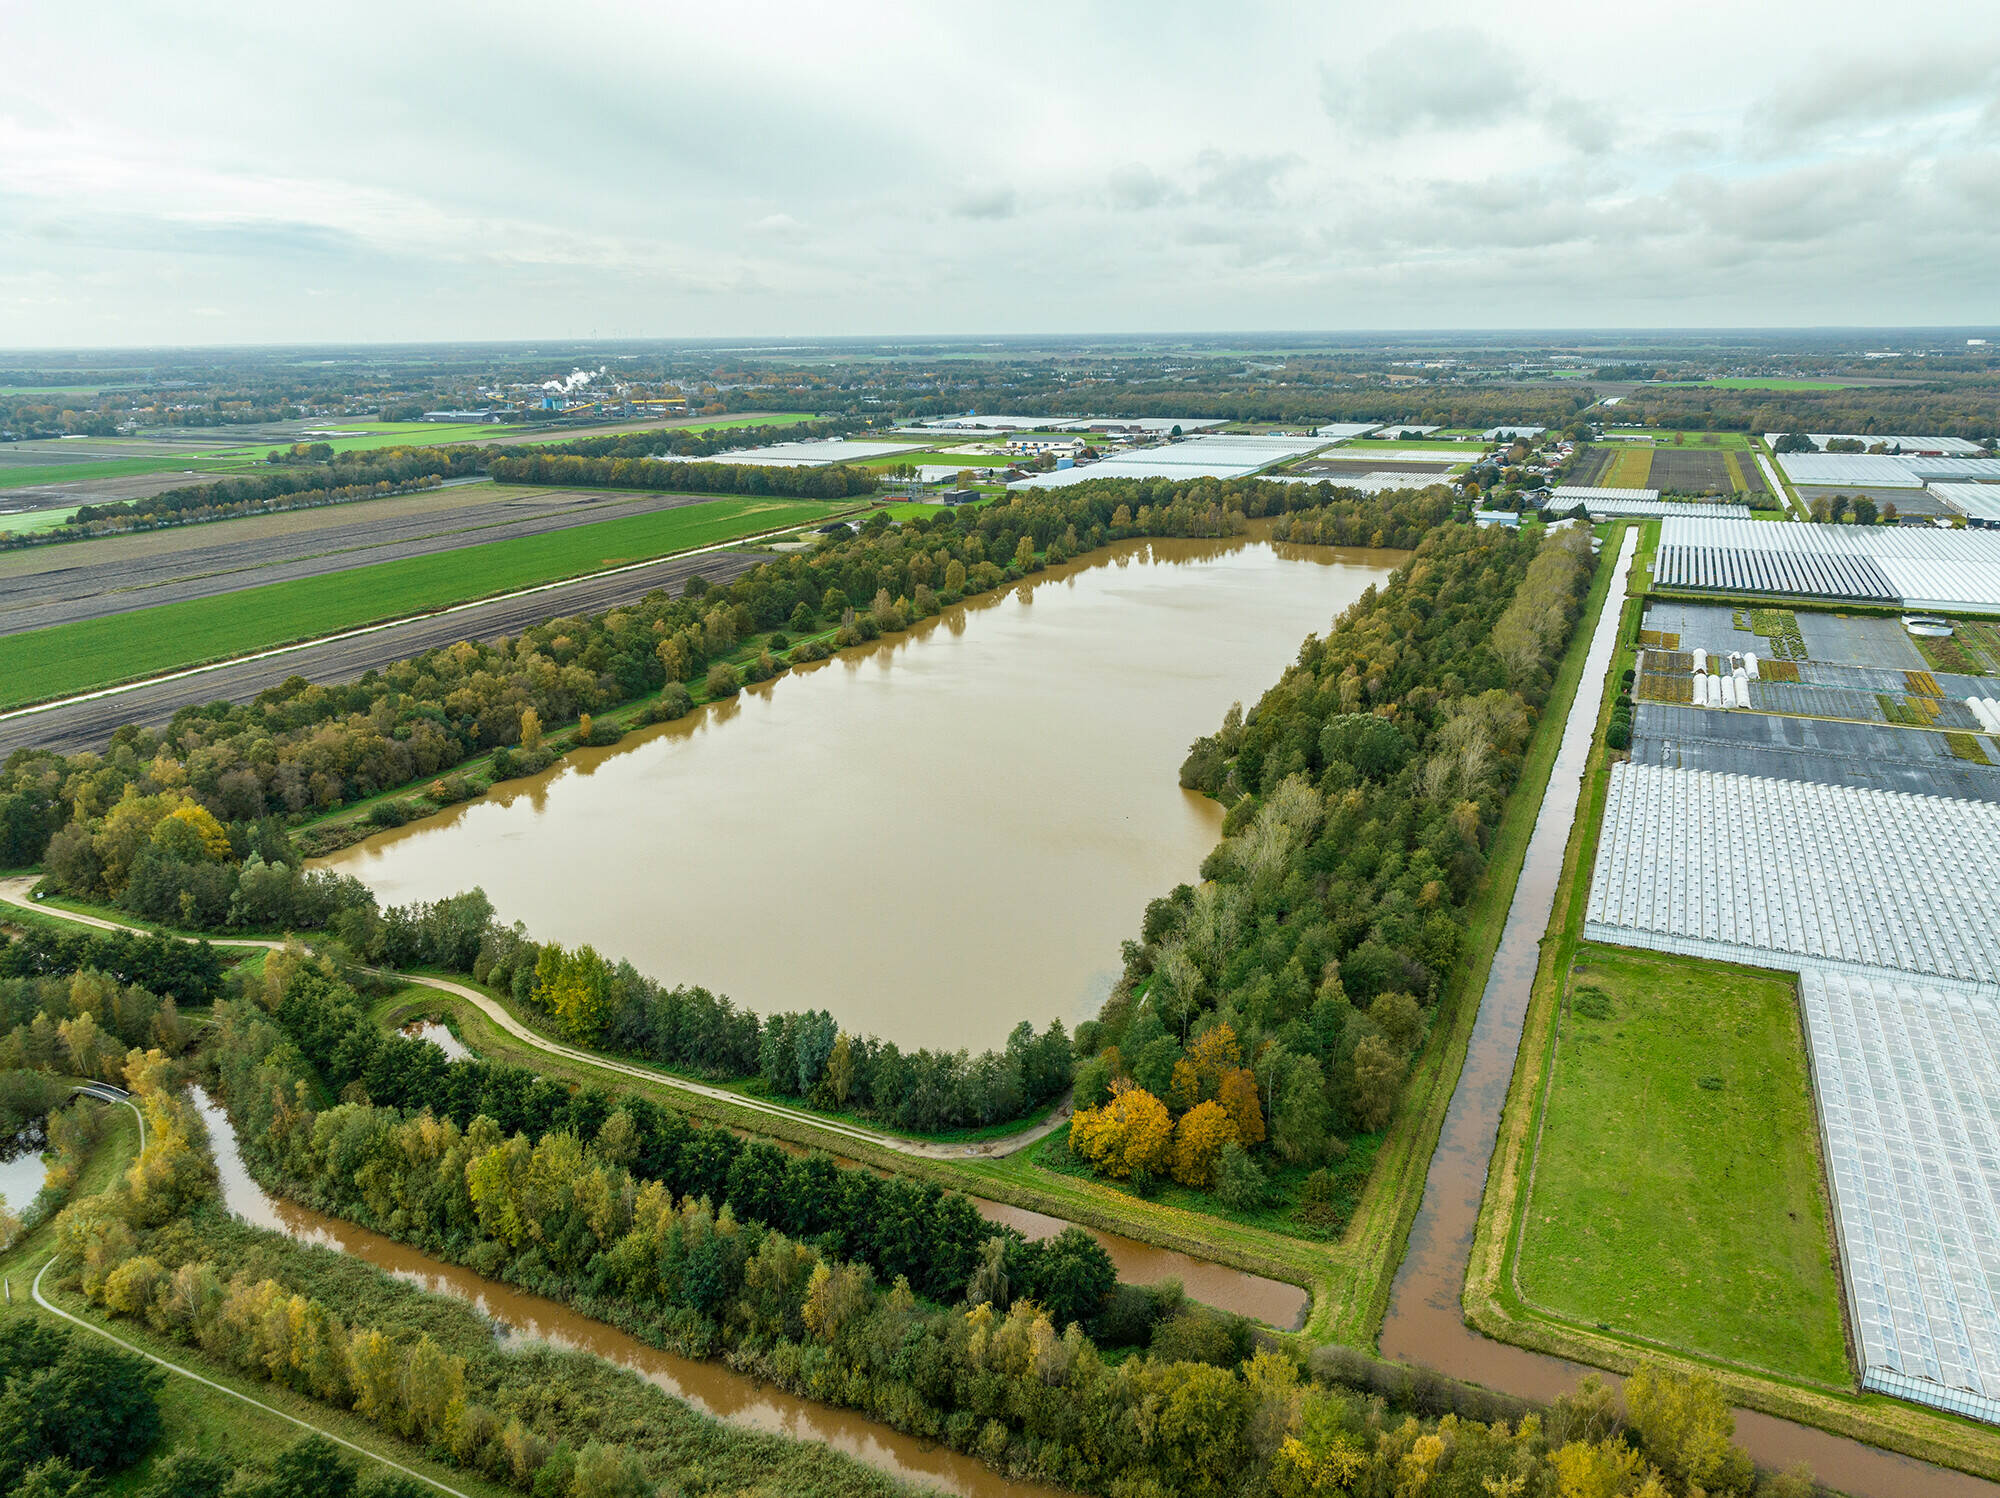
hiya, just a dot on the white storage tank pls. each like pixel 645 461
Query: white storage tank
pixel 1750 664
pixel 1742 680
pixel 1992 706
pixel 1715 691
pixel 1700 659
pixel 1981 711
pixel 1731 693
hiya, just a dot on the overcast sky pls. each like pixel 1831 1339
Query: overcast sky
pixel 213 174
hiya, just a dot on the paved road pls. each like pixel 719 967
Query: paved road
pixel 88 722
pixel 15 892
pixel 77 581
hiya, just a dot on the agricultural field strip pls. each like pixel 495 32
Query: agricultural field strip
pixel 87 590
pixel 69 660
pixel 86 721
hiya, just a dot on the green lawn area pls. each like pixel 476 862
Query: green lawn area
pixel 1676 1192
pixel 44 663
pixel 37 520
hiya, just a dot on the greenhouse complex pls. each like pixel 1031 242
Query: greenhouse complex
pixel 1911 567
pixel 1888 907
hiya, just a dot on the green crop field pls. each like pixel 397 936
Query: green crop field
pixel 44 663
pixel 108 468
pixel 1676 1192
pixel 1630 466
pixel 36 520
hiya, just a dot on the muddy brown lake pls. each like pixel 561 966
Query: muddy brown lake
pixel 935 836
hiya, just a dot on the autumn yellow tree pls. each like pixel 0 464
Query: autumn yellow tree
pixel 1132 1134
pixel 1238 1096
pixel 531 721
pixel 1198 1139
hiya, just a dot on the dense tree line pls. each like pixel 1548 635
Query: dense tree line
pixel 178 971
pixel 82 1023
pixel 511 1116
pixel 833 481
pixel 72 1407
pixel 359 472
pixel 1957 408
pixel 612 1007
pixel 984 1357
pixel 1281 1002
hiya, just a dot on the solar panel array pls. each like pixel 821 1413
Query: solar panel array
pixel 1917 566
pixel 1907 1077
pixel 1790 874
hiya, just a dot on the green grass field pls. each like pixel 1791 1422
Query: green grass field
pixel 45 663
pixel 37 520
pixel 1676 1193
pixel 380 435
pixel 108 468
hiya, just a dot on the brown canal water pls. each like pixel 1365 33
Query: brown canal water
pixel 935 836
pixel 708 1387
pixel 1426 1323
pixel 1271 1301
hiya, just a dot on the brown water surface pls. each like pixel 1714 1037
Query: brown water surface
pixel 708 1387
pixel 935 836
pixel 1271 1301
pixel 1425 1322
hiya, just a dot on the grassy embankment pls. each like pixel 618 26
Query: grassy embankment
pixel 40 664
pixel 194 1415
pixel 1495 1299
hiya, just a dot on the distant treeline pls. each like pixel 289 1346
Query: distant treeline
pixel 1533 405
pixel 835 481
pixel 1969 409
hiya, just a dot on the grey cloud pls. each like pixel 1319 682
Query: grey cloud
pixel 1438 78
pixel 1133 188
pixel 987 203
pixel 1241 182
pixel 1880 89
